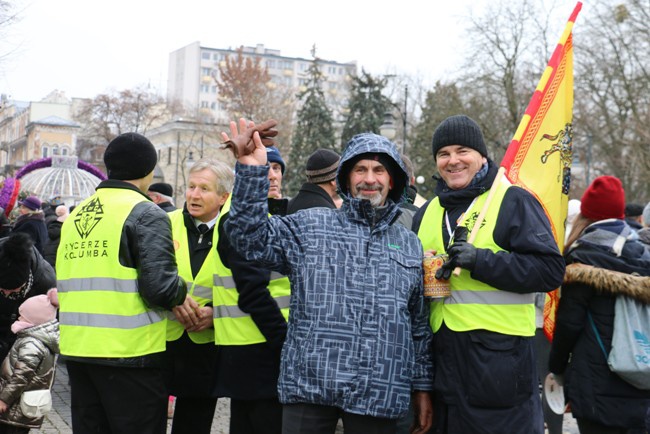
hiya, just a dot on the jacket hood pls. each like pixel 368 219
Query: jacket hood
pixel 48 333
pixel 609 282
pixel 373 143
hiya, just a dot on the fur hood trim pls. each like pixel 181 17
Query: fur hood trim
pixel 609 282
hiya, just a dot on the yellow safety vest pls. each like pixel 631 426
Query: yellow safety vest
pixel 476 305
pixel 232 326
pixel 200 289
pixel 101 311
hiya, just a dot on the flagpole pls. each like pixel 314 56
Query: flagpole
pixel 524 125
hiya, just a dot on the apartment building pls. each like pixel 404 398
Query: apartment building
pixel 193 69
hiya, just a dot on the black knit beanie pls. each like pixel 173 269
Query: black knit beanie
pixel 459 130
pixel 321 166
pixel 15 260
pixel 130 156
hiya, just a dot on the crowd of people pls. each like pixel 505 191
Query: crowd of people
pixel 311 310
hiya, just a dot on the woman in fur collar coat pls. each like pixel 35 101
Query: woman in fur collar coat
pixel 602 252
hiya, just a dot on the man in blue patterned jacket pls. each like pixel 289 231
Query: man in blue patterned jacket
pixel 358 344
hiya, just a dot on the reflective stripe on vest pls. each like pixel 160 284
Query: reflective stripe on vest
pixel 200 289
pixel 101 311
pixel 476 305
pixel 232 326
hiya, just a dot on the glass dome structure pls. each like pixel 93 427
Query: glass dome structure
pixel 65 177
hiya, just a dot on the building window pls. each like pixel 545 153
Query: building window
pixel 205 55
pixel 204 104
pixel 213 105
pixel 205 88
pixel 214 89
pixel 45 151
pixel 55 150
pixel 64 151
pixel 270 64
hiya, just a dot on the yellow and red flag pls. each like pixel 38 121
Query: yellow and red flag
pixel 539 155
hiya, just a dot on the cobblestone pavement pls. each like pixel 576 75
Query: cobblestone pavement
pixel 59 420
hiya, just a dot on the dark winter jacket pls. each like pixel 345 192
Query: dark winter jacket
pixel 358 336
pixel 29 366
pixel 189 367
pixel 250 371
pixel 530 262
pixel 5 225
pixel 33 224
pixel 310 196
pixel 167 206
pixel 146 245
pixel 644 236
pixel 594 392
pixel 54 237
pixel 42 279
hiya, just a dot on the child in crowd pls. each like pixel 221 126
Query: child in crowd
pixel 30 364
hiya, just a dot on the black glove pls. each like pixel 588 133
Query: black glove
pixel 444 272
pixel 463 254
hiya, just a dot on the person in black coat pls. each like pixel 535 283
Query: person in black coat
pixel 248 374
pixel 602 250
pixel 634 215
pixel 161 194
pixel 5 225
pixel 54 234
pixel 320 188
pixel 32 221
pixel 23 274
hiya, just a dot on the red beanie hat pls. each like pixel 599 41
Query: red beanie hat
pixel 604 199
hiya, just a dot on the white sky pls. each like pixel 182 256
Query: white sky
pixel 87 47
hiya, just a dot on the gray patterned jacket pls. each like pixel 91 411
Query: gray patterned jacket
pixel 358 335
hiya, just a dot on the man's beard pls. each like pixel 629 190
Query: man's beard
pixel 375 199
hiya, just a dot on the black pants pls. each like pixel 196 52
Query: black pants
pixel 485 382
pixel 543 349
pixel 109 399
pixel 322 419
pixel 257 416
pixel 11 429
pixel 193 415
pixel 587 426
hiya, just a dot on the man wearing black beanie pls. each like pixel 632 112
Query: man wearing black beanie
pixel 484 331
pixel 116 274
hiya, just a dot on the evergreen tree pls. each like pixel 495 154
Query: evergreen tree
pixel 367 106
pixel 314 128
pixel 442 101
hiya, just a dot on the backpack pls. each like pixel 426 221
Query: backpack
pixel 629 357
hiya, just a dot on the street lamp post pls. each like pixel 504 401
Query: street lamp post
pixel 389 128
pixel 404 116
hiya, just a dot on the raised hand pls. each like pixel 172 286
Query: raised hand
pixel 248 141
